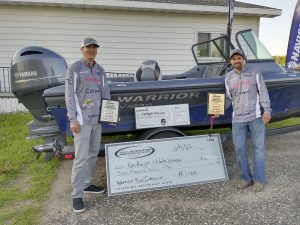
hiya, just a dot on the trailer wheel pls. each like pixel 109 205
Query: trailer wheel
pixel 162 132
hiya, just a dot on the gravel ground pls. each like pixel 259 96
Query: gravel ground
pixel 215 203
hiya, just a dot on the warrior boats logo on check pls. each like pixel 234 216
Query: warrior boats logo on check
pixel 134 152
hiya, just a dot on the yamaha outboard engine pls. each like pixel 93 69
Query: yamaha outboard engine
pixel 34 69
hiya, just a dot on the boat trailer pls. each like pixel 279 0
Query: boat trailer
pixel 63 152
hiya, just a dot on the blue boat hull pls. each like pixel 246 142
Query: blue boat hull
pixel 284 95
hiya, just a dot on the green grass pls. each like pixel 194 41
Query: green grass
pixel 24 181
pixel 273 125
pixel 284 123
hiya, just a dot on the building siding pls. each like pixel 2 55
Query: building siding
pixel 126 38
pixel 10 105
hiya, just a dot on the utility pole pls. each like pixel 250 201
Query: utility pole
pixel 230 18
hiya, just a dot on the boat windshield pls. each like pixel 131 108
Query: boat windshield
pixel 216 50
pixel 251 46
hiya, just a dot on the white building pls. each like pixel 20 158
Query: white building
pixel 129 32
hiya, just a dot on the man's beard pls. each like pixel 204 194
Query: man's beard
pixel 237 65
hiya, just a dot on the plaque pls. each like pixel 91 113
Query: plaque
pixel 216 104
pixel 109 111
pixel 164 163
pixel 162 115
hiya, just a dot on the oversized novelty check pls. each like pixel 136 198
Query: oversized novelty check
pixel 164 163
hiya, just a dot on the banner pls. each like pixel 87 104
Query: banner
pixel 230 18
pixel 293 51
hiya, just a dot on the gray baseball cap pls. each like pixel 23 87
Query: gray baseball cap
pixel 237 51
pixel 89 41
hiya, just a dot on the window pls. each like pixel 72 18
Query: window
pixel 252 47
pixel 211 47
pixel 203 37
pixel 205 50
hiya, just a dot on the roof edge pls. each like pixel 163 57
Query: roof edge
pixel 146 6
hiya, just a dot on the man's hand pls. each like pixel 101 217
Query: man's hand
pixel 266 117
pixel 216 115
pixel 75 127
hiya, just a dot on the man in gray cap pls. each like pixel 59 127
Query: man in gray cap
pixel 85 86
pixel 248 95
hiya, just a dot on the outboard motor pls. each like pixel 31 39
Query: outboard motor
pixel 148 71
pixel 34 69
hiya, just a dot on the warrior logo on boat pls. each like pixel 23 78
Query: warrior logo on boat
pixel 158 97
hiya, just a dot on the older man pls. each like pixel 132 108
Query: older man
pixel 85 86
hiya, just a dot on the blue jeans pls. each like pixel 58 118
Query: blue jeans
pixel 239 136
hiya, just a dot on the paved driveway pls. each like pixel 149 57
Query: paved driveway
pixel 216 203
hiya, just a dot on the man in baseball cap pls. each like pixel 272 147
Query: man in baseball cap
pixel 89 41
pixel 236 52
pixel 86 85
pixel 248 95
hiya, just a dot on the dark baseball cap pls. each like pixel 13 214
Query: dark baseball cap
pixel 89 41
pixel 237 51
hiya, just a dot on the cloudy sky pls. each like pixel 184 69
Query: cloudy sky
pixel 274 32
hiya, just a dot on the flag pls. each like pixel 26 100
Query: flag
pixel 293 51
pixel 230 17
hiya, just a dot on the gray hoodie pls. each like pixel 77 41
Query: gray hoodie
pixel 84 88
pixel 247 93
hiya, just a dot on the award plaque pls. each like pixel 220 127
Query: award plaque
pixel 109 111
pixel 216 104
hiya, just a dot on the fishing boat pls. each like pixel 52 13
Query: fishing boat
pixel 192 87
pixel 38 77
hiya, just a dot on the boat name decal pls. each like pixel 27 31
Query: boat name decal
pixel 158 97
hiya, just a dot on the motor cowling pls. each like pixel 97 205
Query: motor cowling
pixel 34 69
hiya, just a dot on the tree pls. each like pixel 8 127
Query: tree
pixel 280 59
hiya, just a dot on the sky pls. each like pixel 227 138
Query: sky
pixel 274 32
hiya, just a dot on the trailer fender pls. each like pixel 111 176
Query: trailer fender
pixel 161 132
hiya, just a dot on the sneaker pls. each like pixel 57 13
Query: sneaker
pixel 78 205
pixel 244 184
pixel 257 187
pixel 94 189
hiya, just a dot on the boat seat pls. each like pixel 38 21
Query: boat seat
pixel 148 71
